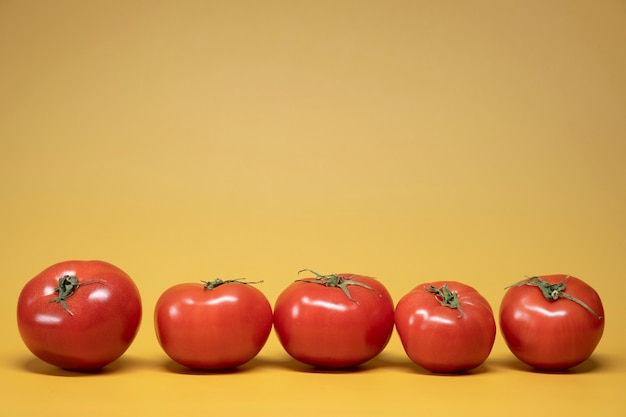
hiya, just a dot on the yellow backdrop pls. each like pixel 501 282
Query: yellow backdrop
pixel 407 140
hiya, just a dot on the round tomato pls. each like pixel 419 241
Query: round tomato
pixel 79 315
pixel 445 327
pixel 551 322
pixel 212 326
pixel 334 321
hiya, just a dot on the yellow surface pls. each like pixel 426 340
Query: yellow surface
pixel 406 140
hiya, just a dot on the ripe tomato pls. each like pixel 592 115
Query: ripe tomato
pixel 334 321
pixel 445 327
pixel 215 326
pixel 79 315
pixel 551 322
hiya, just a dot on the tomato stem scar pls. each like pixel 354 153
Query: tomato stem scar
pixel 336 280
pixel 446 297
pixel 67 286
pixel 209 285
pixel 553 292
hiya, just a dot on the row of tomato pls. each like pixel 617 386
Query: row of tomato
pixel 83 315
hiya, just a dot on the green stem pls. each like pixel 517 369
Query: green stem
pixel 335 280
pixel 446 297
pixel 553 292
pixel 68 284
pixel 209 285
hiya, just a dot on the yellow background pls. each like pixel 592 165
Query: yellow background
pixel 407 140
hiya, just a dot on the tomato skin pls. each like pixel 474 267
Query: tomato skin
pixel 551 335
pixel 215 329
pixel 106 315
pixel 436 338
pixel 320 326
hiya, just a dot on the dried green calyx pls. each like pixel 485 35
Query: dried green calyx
pixel 209 285
pixel 553 292
pixel 335 280
pixel 67 286
pixel 446 297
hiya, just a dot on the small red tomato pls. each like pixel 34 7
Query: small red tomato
pixel 215 326
pixel 445 327
pixel 79 315
pixel 334 321
pixel 551 322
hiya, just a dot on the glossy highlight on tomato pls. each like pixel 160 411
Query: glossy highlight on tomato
pixel 445 326
pixel 79 315
pixel 334 321
pixel 552 322
pixel 213 326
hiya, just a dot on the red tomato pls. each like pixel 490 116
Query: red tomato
pixel 445 327
pixel 334 321
pixel 552 322
pixel 79 315
pixel 219 325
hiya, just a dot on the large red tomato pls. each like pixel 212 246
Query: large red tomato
pixel 445 327
pixel 79 315
pixel 215 326
pixel 334 321
pixel 552 322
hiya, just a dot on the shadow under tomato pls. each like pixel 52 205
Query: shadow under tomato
pixel 594 363
pixel 401 363
pixel 381 361
pixel 37 366
pixel 481 369
pixel 176 368
pixel 292 365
